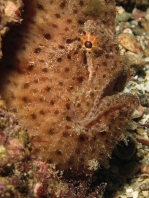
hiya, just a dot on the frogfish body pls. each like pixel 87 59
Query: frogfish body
pixel 63 76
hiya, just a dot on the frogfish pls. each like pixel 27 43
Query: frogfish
pixel 64 78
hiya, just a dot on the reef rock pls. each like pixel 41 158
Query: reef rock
pixel 9 14
pixel 62 75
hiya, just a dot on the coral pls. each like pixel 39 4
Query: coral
pixel 12 147
pixel 9 14
pixel 61 74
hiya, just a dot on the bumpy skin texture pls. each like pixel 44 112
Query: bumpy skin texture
pixel 63 89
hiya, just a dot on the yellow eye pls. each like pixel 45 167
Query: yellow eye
pixel 88 42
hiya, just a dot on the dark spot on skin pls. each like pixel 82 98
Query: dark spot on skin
pixel 81 167
pixel 67 69
pixel 59 60
pixel 78 105
pixel 106 56
pixel 47 36
pixel 81 32
pixel 68 118
pixel 67 127
pixel 41 99
pixel 54 25
pixel 52 102
pixel 80 79
pixel 104 76
pixel 33 116
pixel 56 112
pixel 81 3
pixel 60 83
pixel 50 161
pixel 66 29
pixel 87 104
pixel 77 39
pixel 40 7
pixel 57 16
pixel 68 56
pixel 69 41
pixel 75 11
pixel 80 22
pixel 30 67
pixel 76 52
pixel 25 99
pixel 37 50
pixel 77 151
pixel 62 5
pixel 101 154
pixel 67 106
pixel 71 87
pixel 48 88
pixel 71 161
pixel 92 94
pixel 61 47
pixel 93 150
pixel 88 44
pixel 65 134
pixel 82 138
pixel 36 81
pixel 102 134
pixel 97 53
pixel 58 152
pixel 81 159
pixel 69 20
pixel 84 58
pixel 104 63
pixel 107 141
pixel 107 1
pixel 41 61
pixel 41 112
pixel 26 85
pixel 34 90
pixel 51 1
pixel 45 70
pixel 51 131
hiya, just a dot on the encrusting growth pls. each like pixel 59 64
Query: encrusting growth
pixel 62 75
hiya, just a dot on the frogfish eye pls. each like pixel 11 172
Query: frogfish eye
pixel 88 44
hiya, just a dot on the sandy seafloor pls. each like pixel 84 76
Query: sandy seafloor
pixel 133 26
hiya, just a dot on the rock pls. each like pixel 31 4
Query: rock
pixel 135 62
pixel 9 14
pixel 138 31
pixel 130 43
pixel 146 60
pixel 125 16
pixel 145 25
pixel 146 52
pixel 147 17
pixel 127 30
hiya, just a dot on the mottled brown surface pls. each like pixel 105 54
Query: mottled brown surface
pixel 65 91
